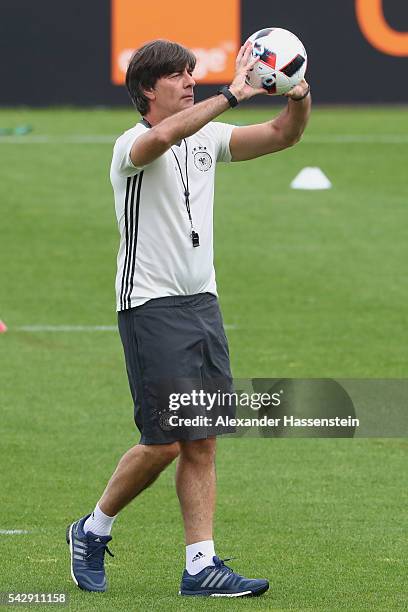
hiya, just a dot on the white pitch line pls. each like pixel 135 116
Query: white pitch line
pixel 74 139
pixel 110 139
pixel 357 139
pixel 65 328
pixel 13 531
pixel 76 328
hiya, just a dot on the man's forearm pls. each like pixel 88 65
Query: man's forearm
pixel 293 119
pixel 187 122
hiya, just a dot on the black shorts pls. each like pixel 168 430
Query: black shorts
pixel 177 357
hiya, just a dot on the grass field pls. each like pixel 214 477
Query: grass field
pixel 314 285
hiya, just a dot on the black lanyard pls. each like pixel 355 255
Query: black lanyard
pixel 195 238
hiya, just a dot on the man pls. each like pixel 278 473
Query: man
pixel 171 328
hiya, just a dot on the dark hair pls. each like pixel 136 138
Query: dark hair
pixel 155 59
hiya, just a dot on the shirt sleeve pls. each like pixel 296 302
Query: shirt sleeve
pixel 121 153
pixel 220 134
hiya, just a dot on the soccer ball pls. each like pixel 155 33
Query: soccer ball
pixel 282 60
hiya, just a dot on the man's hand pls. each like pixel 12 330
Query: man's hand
pixel 298 91
pixel 244 62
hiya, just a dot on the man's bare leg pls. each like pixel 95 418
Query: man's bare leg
pixel 137 469
pixel 88 537
pixel 196 488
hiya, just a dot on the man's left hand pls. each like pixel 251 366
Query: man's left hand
pixel 298 91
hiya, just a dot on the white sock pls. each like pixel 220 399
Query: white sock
pixel 199 555
pixel 99 523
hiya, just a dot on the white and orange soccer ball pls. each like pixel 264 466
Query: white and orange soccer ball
pixel 282 60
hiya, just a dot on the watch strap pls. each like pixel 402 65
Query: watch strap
pixel 225 91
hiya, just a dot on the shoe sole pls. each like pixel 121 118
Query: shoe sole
pixel 68 537
pixel 259 591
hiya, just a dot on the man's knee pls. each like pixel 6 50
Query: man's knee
pixel 162 453
pixel 198 451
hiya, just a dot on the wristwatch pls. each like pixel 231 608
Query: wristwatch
pixel 225 91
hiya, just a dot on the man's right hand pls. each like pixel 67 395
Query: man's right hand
pixel 244 62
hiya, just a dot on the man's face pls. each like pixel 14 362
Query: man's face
pixel 173 93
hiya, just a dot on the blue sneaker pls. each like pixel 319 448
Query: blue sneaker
pixel 218 580
pixel 87 557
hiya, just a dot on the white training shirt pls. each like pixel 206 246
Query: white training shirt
pixel 156 256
